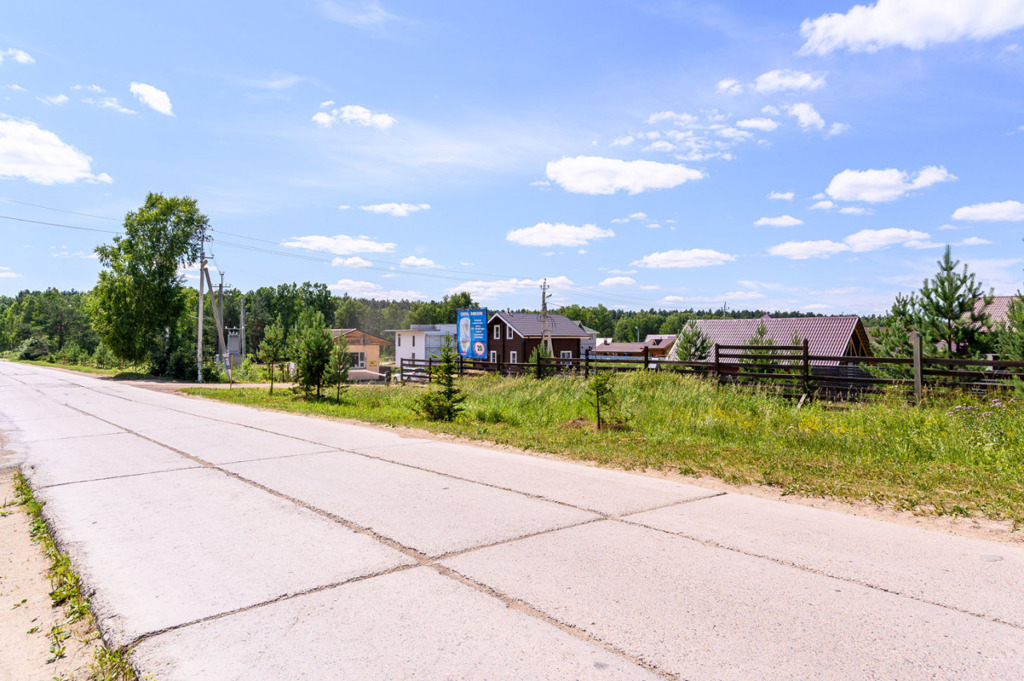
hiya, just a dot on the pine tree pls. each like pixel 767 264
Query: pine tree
pixel 272 348
pixel 760 360
pixel 337 368
pixel 313 350
pixel 1011 342
pixel 948 318
pixel 691 343
pixel 444 404
pixel 893 337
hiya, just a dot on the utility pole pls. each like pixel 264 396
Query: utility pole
pixel 199 328
pixel 241 324
pixel 545 322
pixel 220 304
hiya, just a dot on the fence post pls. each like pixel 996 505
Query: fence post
pixel 807 368
pixel 499 364
pixel 586 364
pixel 718 376
pixel 915 343
pixel 430 368
pixel 539 373
pixel 460 366
pixel 647 358
pixel 401 369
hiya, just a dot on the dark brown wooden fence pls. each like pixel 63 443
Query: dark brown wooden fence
pixel 791 369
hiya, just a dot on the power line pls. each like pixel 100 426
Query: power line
pixel 55 224
pixel 59 210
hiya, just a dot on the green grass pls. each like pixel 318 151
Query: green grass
pixel 84 368
pixel 108 665
pixel 959 455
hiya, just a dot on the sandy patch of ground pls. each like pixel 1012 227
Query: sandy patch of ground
pixel 26 614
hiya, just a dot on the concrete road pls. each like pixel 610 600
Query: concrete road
pixel 228 543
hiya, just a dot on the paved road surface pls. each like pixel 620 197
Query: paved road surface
pixel 230 543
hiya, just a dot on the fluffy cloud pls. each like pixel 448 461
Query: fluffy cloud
pixel 1004 211
pixel 855 210
pixel 357 13
pixel 342 244
pixel 623 141
pixel 546 234
pixel 56 99
pixel 355 262
pixel 39 156
pixel 741 295
pixel 729 86
pixel 672 116
pixel 860 242
pixel 781 221
pixel 17 55
pixel 422 263
pixel 618 281
pixel 6 273
pixel 806 116
pixel 785 79
pixel 763 124
pixel 824 204
pixel 109 103
pixel 695 257
pixel 596 175
pixel 155 99
pixel 782 196
pixel 399 210
pixel 491 290
pixel 354 115
pixel 879 186
pixel 915 24
pixel 368 289
pixel 640 216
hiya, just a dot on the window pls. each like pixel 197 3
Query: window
pixel 358 360
pixel 494 356
pixel 399 339
pixel 513 357
pixel 414 341
pixel 497 332
pixel 565 354
pixel 508 334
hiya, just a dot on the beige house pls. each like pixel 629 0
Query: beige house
pixel 364 349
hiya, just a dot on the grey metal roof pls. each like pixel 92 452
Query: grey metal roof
pixel 825 335
pixel 530 325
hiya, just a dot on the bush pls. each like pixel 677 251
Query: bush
pixel 102 357
pixel 33 348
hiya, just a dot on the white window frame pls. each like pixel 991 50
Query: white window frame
pixel 565 354
pixel 358 363
pixel 508 334
pixel 494 356
pixel 497 332
pixel 513 357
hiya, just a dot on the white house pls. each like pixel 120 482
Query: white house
pixel 420 341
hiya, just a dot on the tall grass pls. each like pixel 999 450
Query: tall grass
pixel 959 454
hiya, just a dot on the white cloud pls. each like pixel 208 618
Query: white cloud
pixel 785 79
pixel 763 124
pixel 6 273
pixel 88 88
pixel 491 290
pixel 1004 211
pixel 344 207
pixel 879 186
pixel 368 289
pixel 806 116
pixel 546 234
pixel 618 281
pixel 838 129
pixel 423 263
pixel 276 81
pixel 342 244
pixel 56 99
pixel 16 88
pixel 973 241
pixel 915 24
pixel 355 261
pixel 17 55
pixel 781 196
pixel 823 205
pixel 596 175
pixel 365 14
pixel 672 116
pixel 695 257
pixel 39 156
pixel 856 210
pixel 728 86
pixel 635 216
pixel 623 141
pixel 64 253
pixel 781 221
pixel 660 145
pixel 109 103
pixel 802 250
pixel 731 133
pixel 399 210
pixel 355 115
pixel 742 295
pixel 155 99
pixel 770 110
pixel 877 239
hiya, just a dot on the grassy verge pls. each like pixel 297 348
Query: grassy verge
pixel 108 665
pixel 960 455
pixel 84 368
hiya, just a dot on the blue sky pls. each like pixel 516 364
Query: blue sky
pixel 795 156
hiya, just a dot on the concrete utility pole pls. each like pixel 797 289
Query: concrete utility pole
pixel 199 328
pixel 241 324
pixel 545 322
pixel 220 304
pixel 218 320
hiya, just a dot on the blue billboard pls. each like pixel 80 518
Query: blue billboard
pixel 472 333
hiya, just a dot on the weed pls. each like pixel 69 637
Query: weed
pixel 112 665
pixel 57 637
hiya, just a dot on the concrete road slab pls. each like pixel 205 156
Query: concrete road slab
pixel 414 624
pixel 165 549
pixel 596 489
pixel 221 443
pixel 70 426
pixel 707 613
pixel 431 513
pixel 331 433
pixel 58 462
pixel 29 408
pixel 967 574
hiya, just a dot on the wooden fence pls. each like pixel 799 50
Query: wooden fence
pixel 790 368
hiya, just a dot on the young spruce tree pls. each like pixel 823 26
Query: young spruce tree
pixel 949 318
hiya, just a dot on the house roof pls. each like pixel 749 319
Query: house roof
pixel 825 335
pixel 660 341
pixel 357 337
pixel 999 310
pixel 530 324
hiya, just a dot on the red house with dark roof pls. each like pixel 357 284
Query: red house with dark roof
pixel 512 336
